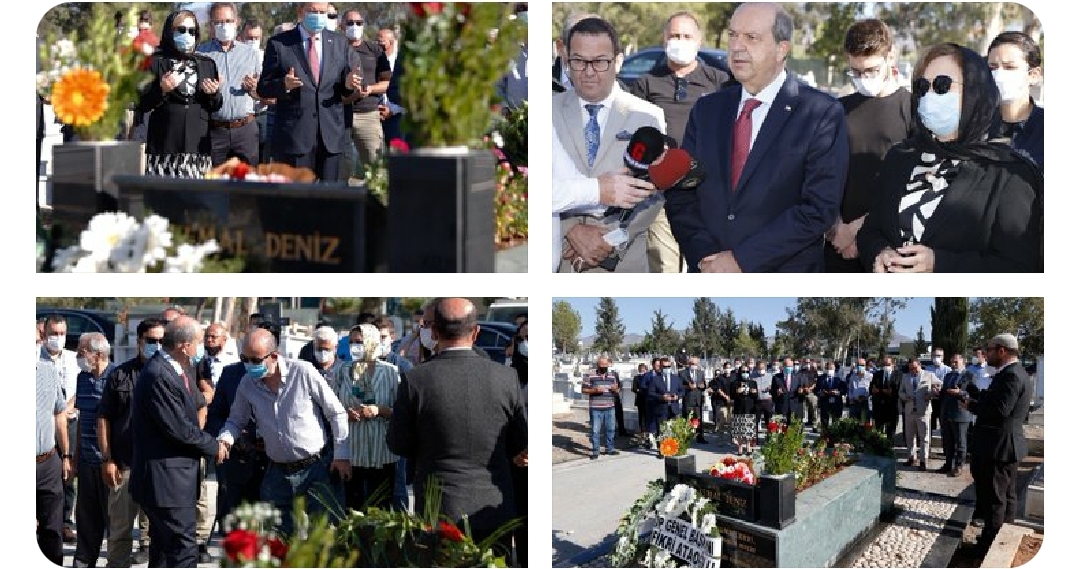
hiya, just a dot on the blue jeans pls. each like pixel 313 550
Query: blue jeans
pixel 321 491
pixel 602 418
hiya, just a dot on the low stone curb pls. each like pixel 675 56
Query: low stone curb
pixel 1005 545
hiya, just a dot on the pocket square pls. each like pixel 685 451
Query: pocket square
pixel 623 135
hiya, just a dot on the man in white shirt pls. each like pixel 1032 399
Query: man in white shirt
pixel 592 125
pixel 980 370
pixel 67 366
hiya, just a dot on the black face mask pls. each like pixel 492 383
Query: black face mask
pixel 214 351
pixel 601 370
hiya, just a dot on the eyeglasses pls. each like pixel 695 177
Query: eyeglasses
pixel 598 65
pixel 354 22
pixel 942 84
pixel 332 16
pixel 221 22
pixel 869 73
pixel 186 30
pixel 680 88
pixel 152 341
pixel 255 361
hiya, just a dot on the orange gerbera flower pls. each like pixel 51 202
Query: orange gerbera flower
pixel 80 97
pixel 669 447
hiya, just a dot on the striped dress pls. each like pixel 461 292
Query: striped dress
pixel 367 438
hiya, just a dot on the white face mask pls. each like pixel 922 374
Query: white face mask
pixel 354 32
pixel 426 339
pixel 84 364
pixel 55 343
pixel 356 351
pixel 681 52
pixel 869 86
pixel 523 348
pixel 225 32
pixel 937 361
pixel 1012 84
pixel 324 356
pixel 888 370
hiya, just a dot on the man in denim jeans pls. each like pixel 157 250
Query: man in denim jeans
pixel 601 389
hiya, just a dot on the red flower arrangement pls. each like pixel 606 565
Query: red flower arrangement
pixel 241 545
pixel 731 468
pixel 773 426
pixel 695 423
pixel 399 145
pixel 450 531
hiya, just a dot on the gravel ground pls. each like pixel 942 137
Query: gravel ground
pixel 906 541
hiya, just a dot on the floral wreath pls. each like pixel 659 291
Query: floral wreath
pixel 682 501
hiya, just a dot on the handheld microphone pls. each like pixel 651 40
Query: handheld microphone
pixel 676 169
pixel 645 146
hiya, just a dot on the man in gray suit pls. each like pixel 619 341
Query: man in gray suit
pixel 592 125
pixel 460 419
pixel 917 388
pixel 999 443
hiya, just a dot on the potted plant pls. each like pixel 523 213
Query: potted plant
pixel 452 55
pixel 91 80
pixel 674 442
pixel 776 487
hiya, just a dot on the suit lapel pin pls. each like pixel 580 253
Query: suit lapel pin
pixel 623 135
pixel 787 108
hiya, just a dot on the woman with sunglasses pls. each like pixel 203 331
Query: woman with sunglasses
pixel 180 97
pixel 952 200
pixel 1016 63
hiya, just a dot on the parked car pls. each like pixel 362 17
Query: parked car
pixel 494 337
pixel 640 62
pixel 82 321
pixel 506 310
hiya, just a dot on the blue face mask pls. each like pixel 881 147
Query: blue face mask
pixel 199 353
pixel 940 113
pixel 315 23
pixel 149 350
pixel 787 369
pixel 861 368
pixel 257 371
pixel 184 42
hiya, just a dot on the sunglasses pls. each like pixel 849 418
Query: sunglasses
pixel 354 22
pixel 185 30
pixel 332 16
pixel 680 88
pixel 255 361
pixel 152 341
pixel 941 84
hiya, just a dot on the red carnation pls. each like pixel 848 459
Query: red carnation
pixel 695 423
pixel 773 426
pixel 399 145
pixel 422 9
pixel 278 548
pixel 714 472
pixel 464 8
pixel 450 531
pixel 783 428
pixel 240 544
pixel 728 460
pixel 240 171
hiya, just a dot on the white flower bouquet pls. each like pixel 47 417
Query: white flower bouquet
pixel 118 243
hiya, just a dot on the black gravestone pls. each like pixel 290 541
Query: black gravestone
pixel 745 547
pixel 442 212
pixel 276 227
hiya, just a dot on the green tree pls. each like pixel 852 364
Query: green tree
pixel 729 331
pixel 949 325
pixel 609 328
pixel 745 344
pixel 703 335
pixel 829 39
pixel 829 326
pixel 1022 316
pixel 565 326
pixel 757 333
pixel 662 338
pixel 920 346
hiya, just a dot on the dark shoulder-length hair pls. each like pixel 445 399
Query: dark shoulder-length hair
pixel 167 48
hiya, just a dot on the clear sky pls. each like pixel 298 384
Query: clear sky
pixel 636 313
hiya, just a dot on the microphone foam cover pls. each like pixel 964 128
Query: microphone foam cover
pixel 673 167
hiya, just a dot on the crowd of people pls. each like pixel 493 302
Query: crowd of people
pixel 305 92
pixel 350 423
pixel 942 175
pixel 984 400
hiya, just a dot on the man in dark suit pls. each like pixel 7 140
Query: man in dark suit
pixel 168 444
pixel 665 392
pixel 885 398
pixel 788 392
pixel 390 110
pixel 459 417
pixel 774 175
pixel 693 380
pixel 999 443
pixel 830 391
pixel 309 70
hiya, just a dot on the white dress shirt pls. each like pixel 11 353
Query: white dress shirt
pixel 766 96
pixel 570 189
pixel 306 35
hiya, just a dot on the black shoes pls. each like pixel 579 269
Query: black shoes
pixel 911 461
pixel 944 469
pixel 954 473
pixel 204 554
pixel 612 452
pixel 701 440
pixel 141 555
pixel 594 456
pixel 922 466
pixel 69 535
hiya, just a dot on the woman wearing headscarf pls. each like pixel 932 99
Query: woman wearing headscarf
pixel 1016 63
pixel 744 396
pixel 367 387
pixel 183 92
pixel 952 199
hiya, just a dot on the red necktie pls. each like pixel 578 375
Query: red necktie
pixel 740 147
pixel 187 383
pixel 313 59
